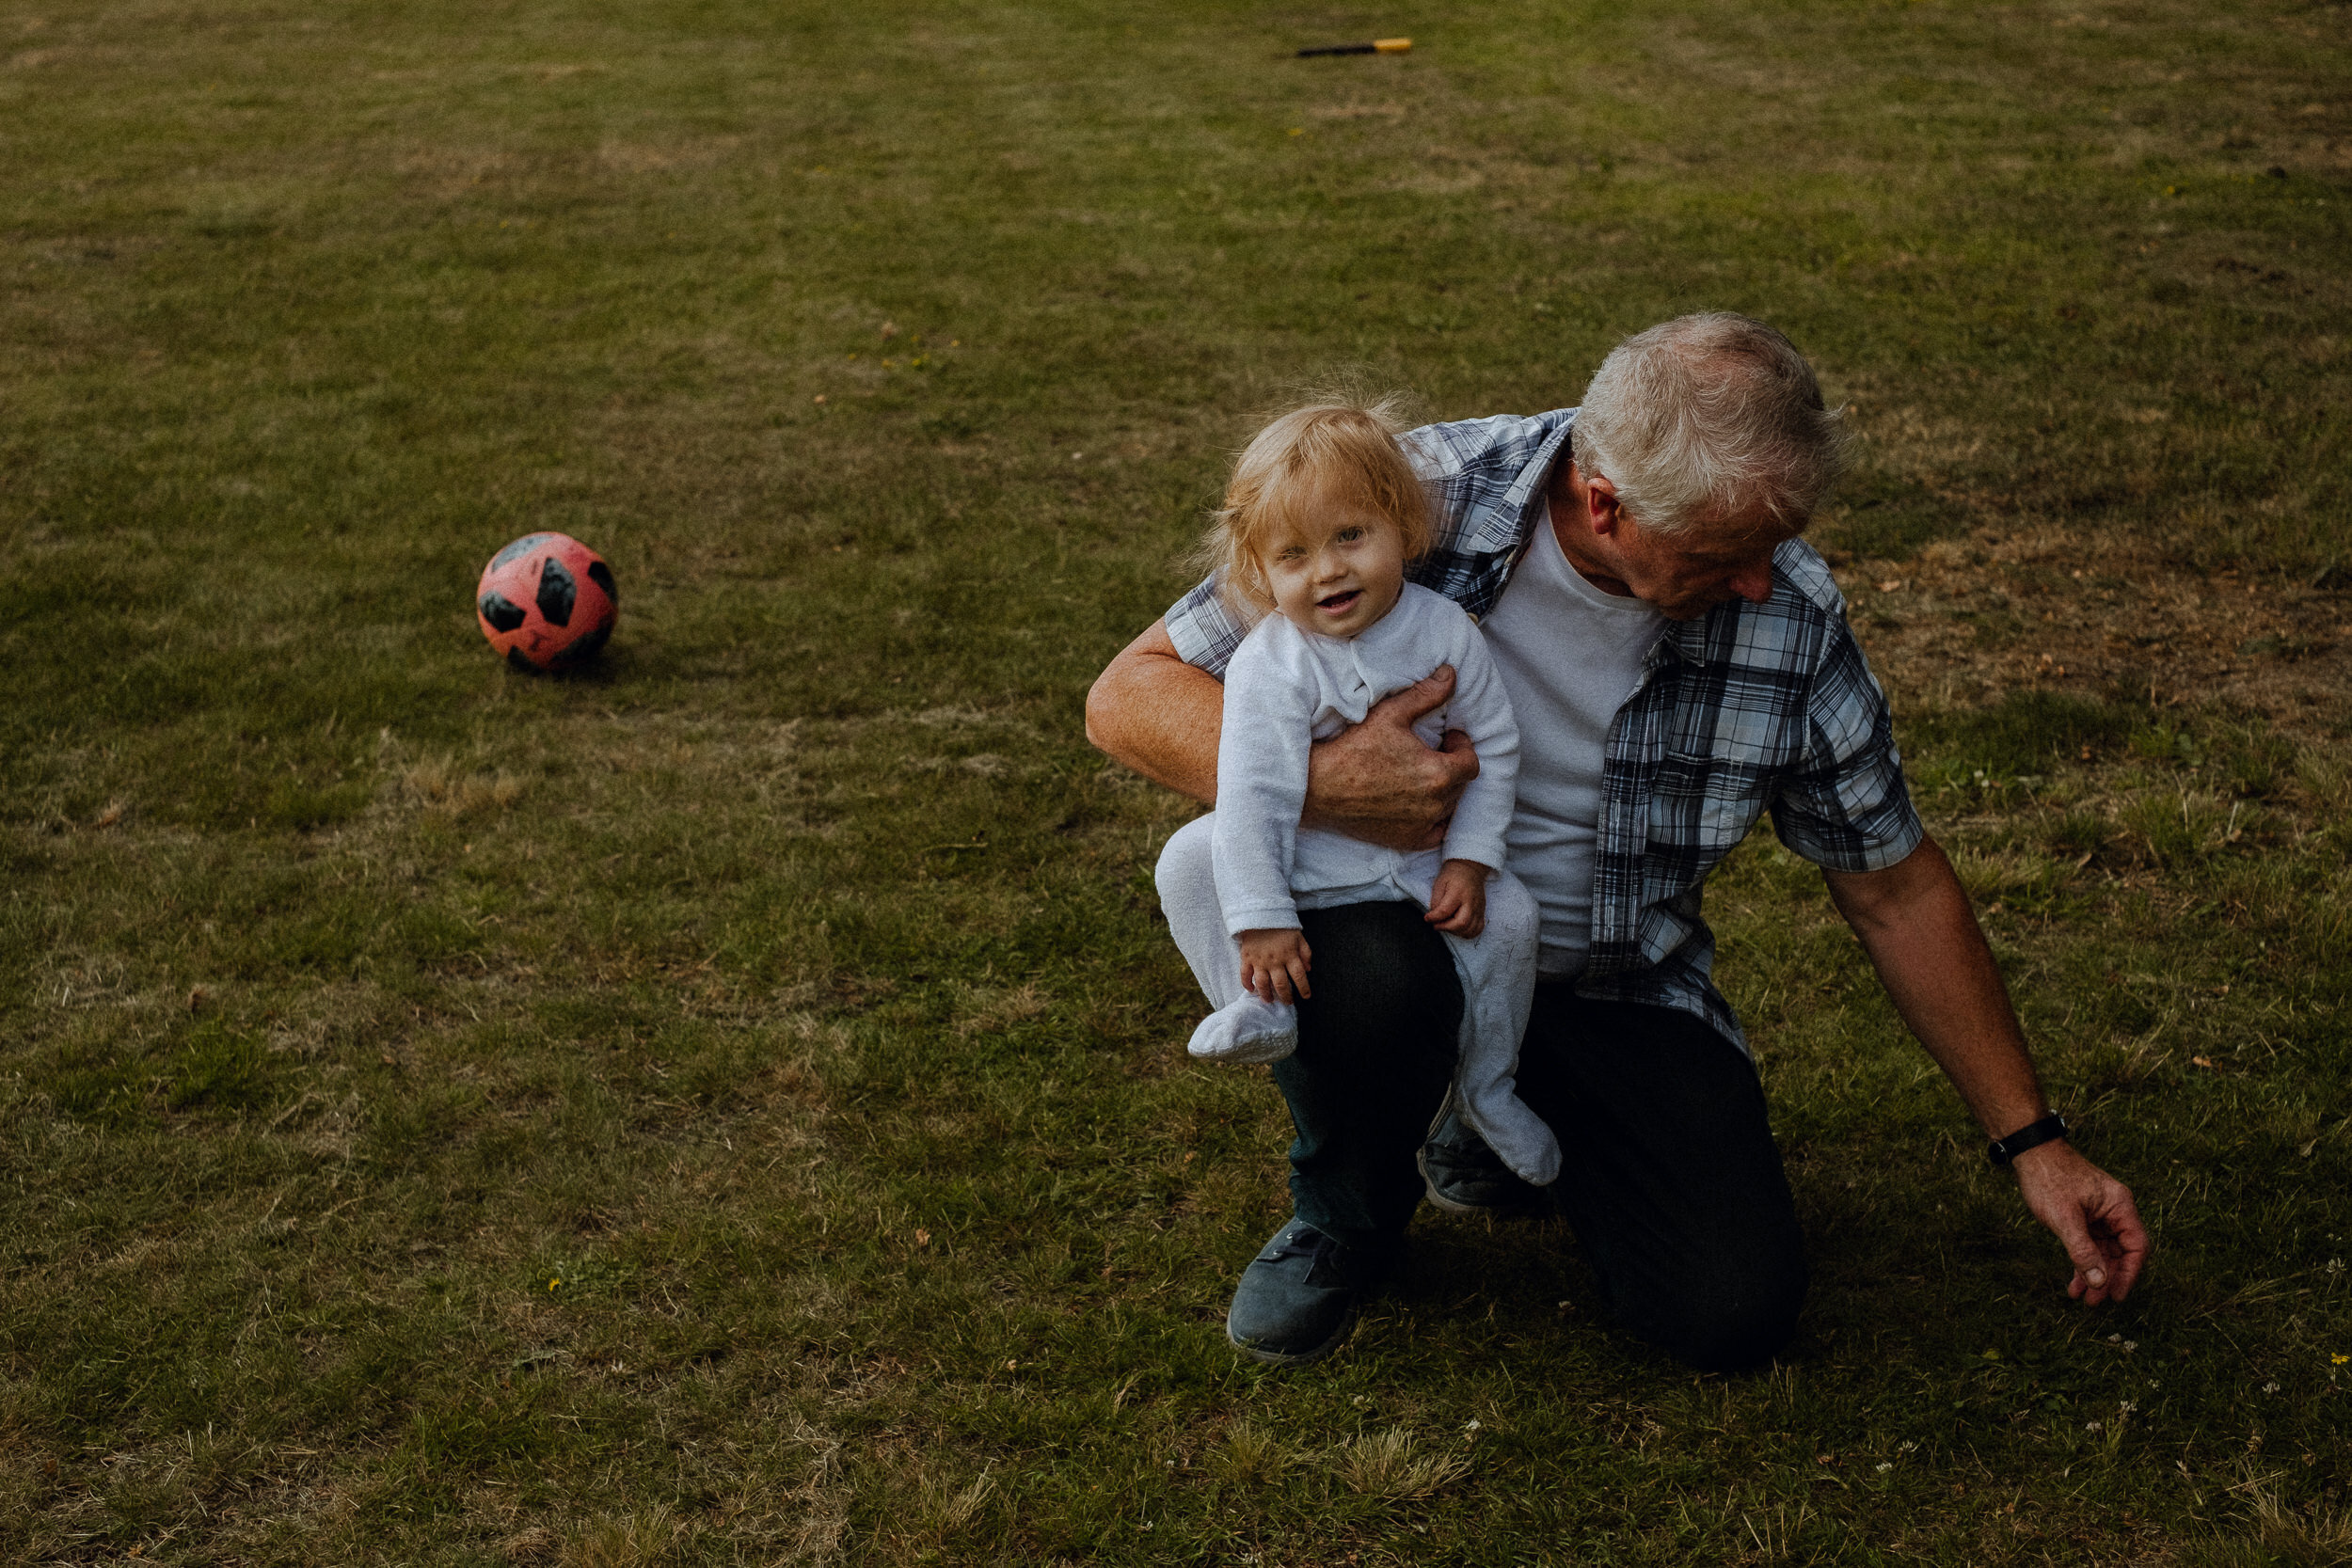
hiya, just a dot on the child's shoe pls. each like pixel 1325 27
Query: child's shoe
pixel 1249 1030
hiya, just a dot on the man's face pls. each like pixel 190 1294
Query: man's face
pixel 1335 573
pixel 1682 576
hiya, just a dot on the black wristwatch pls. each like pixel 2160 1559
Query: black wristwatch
pixel 2048 1129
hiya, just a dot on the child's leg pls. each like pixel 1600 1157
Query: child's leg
pixel 1243 1028
pixel 1498 973
pixel 1186 876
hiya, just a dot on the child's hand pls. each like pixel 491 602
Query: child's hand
pixel 1458 901
pixel 1273 964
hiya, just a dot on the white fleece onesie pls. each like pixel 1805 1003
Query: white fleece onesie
pixel 1251 867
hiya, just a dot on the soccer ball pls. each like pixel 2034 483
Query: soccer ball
pixel 547 602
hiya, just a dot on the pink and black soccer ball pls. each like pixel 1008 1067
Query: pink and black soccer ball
pixel 547 602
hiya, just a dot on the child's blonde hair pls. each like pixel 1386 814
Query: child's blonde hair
pixel 1339 449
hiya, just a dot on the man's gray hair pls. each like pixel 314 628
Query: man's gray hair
pixel 1707 418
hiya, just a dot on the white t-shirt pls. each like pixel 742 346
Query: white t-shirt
pixel 1569 655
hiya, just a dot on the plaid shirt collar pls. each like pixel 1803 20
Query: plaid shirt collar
pixel 1490 476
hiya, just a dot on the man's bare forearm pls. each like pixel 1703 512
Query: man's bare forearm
pixel 1915 921
pixel 1159 716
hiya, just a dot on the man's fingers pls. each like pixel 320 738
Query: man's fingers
pixel 1424 695
pixel 2094 1218
pixel 2090 1284
pixel 2068 1194
pixel 1298 976
pixel 2130 1246
pixel 1457 748
pixel 2090 1265
pixel 1457 763
pixel 1378 782
pixel 2111 1245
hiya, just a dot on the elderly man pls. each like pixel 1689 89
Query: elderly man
pixel 1679 663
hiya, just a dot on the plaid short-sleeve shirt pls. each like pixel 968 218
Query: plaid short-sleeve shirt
pixel 1754 707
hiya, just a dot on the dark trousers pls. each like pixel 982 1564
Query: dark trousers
pixel 1669 1173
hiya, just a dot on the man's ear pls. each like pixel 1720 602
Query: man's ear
pixel 1600 505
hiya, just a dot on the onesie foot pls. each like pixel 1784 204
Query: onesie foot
pixel 1247 1031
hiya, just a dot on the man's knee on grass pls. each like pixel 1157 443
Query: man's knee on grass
pixel 1728 1312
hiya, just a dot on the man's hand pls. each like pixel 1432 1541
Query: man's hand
pixel 2092 1213
pixel 1376 782
pixel 1273 964
pixel 1457 902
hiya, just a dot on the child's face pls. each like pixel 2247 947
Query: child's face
pixel 1336 572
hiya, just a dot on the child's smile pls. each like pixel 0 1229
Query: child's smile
pixel 1340 604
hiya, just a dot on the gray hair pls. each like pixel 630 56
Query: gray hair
pixel 1707 418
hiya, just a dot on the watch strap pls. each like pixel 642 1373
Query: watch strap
pixel 2033 1135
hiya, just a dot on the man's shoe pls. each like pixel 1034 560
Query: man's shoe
pixel 1462 1175
pixel 1298 1297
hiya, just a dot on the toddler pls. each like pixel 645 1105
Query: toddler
pixel 1321 517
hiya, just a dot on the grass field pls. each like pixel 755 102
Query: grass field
pixel 729 1106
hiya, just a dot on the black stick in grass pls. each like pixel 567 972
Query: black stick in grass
pixel 1379 46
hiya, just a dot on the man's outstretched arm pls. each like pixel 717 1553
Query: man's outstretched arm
pixel 1915 921
pixel 1376 782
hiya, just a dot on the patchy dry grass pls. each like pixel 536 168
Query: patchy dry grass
pixel 728 1106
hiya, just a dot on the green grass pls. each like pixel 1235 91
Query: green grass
pixel 728 1106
